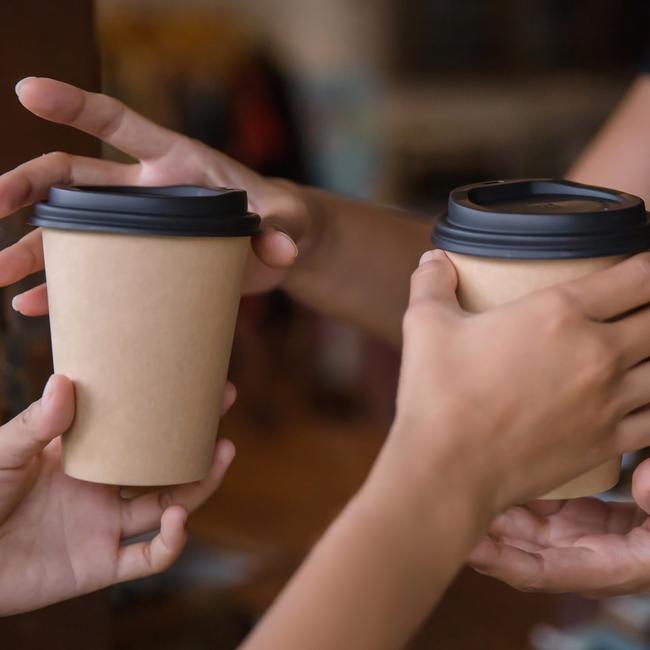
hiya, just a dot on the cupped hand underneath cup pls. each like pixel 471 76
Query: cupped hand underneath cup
pixel 60 537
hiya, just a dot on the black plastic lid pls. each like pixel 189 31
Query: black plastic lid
pixel 542 219
pixel 179 210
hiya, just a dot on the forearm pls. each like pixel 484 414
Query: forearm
pixel 381 567
pixel 359 256
pixel 358 261
pixel 619 155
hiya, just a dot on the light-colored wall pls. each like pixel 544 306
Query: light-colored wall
pixel 311 36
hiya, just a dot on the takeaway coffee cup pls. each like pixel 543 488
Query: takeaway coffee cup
pixel 143 288
pixel 508 238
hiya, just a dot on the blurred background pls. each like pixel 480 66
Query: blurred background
pixel 387 100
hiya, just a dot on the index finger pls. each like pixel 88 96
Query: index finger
pixel 22 258
pixel 99 115
pixel 614 291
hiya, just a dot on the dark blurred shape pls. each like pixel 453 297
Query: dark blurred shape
pixel 31 29
pixel 251 118
pixel 509 37
pixel 57 40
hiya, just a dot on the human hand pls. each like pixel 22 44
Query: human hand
pixel 514 401
pixel 61 537
pixel 588 546
pixel 162 158
pixel 485 416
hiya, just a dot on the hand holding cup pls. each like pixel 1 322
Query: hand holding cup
pixel 509 238
pixel 162 158
pixel 60 537
pixel 517 399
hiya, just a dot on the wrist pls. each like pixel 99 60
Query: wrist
pixel 425 526
pixel 437 466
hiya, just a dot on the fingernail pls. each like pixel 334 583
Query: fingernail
pixel 290 240
pixel 48 391
pixel 436 253
pixel 231 390
pixel 20 83
pixel 128 493
pixel 226 451
pixel 14 303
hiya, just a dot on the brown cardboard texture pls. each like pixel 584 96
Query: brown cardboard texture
pixel 143 326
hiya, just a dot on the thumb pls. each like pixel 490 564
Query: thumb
pixel 641 486
pixel 275 252
pixel 28 433
pixel 275 248
pixel 435 280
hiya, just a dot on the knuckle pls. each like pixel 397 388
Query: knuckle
pixel 417 273
pixel 410 321
pixel 561 309
pixel 622 444
pixel 165 499
pixel 194 146
pixel 57 158
pixel 560 313
pixel 641 266
pixel 32 425
pixel 599 356
pixel 416 315
pixel 149 563
pixel 112 118
pixel 27 418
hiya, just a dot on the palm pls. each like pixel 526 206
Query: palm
pixel 583 545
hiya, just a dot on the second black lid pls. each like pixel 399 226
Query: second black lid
pixel 542 219
pixel 178 210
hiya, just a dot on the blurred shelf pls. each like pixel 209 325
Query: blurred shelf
pixel 496 126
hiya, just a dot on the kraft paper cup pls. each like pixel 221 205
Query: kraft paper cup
pixel 509 238
pixel 143 288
